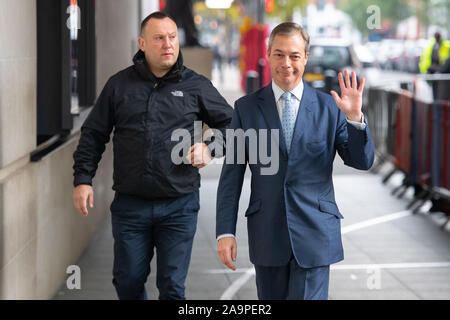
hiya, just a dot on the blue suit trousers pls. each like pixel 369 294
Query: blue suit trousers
pixel 292 282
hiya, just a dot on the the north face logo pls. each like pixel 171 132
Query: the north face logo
pixel 177 93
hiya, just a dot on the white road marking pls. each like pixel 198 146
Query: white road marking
pixel 371 222
pixel 405 265
pixel 237 284
pixel 401 265
pixel 250 272
pixel 223 271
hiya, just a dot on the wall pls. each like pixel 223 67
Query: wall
pixel 41 234
pixel 18 56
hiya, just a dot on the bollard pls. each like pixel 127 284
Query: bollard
pixel 330 75
pixel 261 65
pixel 251 81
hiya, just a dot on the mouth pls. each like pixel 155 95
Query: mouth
pixel 287 73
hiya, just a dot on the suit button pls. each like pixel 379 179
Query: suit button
pixel 288 184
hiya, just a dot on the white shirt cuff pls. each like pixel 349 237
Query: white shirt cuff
pixel 225 235
pixel 358 125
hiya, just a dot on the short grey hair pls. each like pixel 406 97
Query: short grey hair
pixel 289 28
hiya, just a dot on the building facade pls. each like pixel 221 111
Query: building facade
pixel 41 233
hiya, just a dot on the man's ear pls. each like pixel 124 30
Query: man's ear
pixel 306 57
pixel 141 43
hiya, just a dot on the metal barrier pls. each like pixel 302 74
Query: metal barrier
pixel 421 144
pixel 404 133
pixel 446 146
pixel 415 137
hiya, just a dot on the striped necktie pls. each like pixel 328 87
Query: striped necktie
pixel 288 119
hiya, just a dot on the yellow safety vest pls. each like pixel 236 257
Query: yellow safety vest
pixel 425 59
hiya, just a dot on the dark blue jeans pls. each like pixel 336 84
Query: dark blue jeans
pixel 139 226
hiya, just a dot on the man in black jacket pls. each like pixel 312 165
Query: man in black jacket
pixel 156 200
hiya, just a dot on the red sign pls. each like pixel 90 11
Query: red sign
pixel 269 5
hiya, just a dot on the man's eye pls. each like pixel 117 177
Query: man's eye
pixel 295 57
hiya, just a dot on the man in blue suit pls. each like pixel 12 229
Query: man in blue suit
pixel 293 221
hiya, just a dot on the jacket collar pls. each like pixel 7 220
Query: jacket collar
pixel 174 74
pixel 297 92
pixel 267 105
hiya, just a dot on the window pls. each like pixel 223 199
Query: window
pixel 66 65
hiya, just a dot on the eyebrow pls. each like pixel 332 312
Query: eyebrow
pixel 163 34
pixel 280 51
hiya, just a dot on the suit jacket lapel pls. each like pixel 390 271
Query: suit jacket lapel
pixel 305 113
pixel 268 107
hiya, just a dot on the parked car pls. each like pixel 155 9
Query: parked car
pixel 365 56
pixel 328 57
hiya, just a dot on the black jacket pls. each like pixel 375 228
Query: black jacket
pixel 144 111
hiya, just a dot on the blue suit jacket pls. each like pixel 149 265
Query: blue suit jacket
pixel 293 211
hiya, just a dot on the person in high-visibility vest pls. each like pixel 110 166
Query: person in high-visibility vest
pixel 435 55
pixel 433 59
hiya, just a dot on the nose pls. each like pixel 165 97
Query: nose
pixel 167 43
pixel 286 63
